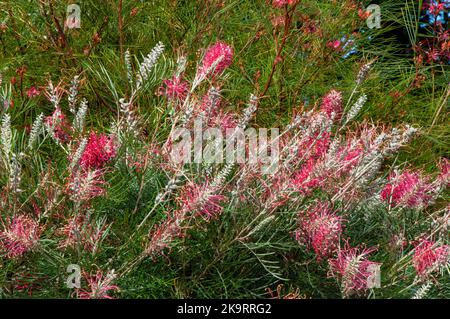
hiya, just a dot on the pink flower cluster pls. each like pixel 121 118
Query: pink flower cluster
pixel 161 236
pixel 305 181
pixel 435 7
pixel 201 200
pixel 282 3
pixel 332 105
pixel 407 189
pixel 100 286
pixel 85 185
pixel 428 257
pixel 353 268
pixel 80 231
pixel 58 126
pixel 219 50
pixel 223 121
pixel 335 45
pixel 174 89
pixel 194 200
pixel 444 176
pixel 99 150
pixel 20 235
pixel 32 92
pixel 320 229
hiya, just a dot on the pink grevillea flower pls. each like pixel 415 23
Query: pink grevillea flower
pixel 407 189
pixel 363 14
pixel 305 180
pixel 444 176
pixel 223 121
pixel 210 102
pixel 334 45
pixel 99 286
pixel 313 146
pixel 21 234
pixel 275 193
pixel 197 199
pixel 332 104
pixel 428 257
pixel 346 158
pixel 320 229
pixel 99 150
pixel 220 54
pixel 32 92
pixel 174 89
pixel 353 269
pixel 85 185
pixel 282 3
pixel 433 55
pixel 81 232
pixel 436 8
pixel 58 126
pixel 163 235
pixel 201 199
pixel 317 145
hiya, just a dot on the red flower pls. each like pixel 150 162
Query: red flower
pixel 407 189
pixel 428 258
pixel 99 286
pixel 175 88
pixel 85 185
pixel 305 181
pixel 433 54
pixel 19 236
pixel 80 231
pixel 223 121
pixel 58 125
pixel 32 92
pixel 202 200
pixel 317 145
pixel 335 45
pixel 436 8
pixel 282 3
pixel 363 14
pixel 353 268
pixel 320 229
pixel 332 104
pixel 161 236
pixel 99 150
pixel 219 50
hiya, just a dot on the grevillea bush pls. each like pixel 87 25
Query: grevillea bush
pixel 335 213
pixel 330 185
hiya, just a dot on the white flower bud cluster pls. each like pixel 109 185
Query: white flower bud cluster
pixel 73 93
pixel 6 136
pixel 36 129
pixel 354 110
pixel 80 117
pixel 147 64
